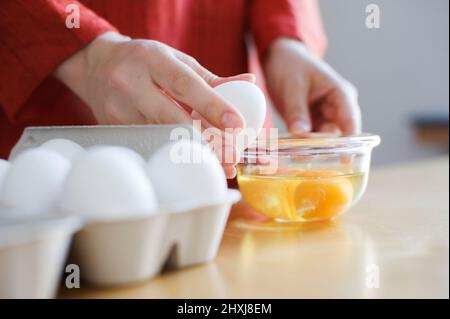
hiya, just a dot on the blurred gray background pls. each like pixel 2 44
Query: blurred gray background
pixel 400 69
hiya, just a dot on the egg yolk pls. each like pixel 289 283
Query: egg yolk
pixel 322 199
pixel 303 196
pixel 265 195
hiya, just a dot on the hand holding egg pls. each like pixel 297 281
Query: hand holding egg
pixel 145 81
pixel 249 101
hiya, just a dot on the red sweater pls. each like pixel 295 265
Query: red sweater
pixel 34 40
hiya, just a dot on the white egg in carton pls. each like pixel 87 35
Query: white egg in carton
pixel 135 216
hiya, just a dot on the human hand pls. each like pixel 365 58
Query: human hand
pixel 309 94
pixel 127 81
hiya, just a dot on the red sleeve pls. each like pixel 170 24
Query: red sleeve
pixel 297 19
pixel 34 40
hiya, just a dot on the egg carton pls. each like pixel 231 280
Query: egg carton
pixel 144 139
pixel 115 251
pixel 32 255
pixel 123 251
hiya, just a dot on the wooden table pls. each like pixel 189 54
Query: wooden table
pixel 394 243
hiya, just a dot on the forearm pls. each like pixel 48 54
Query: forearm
pixel 294 19
pixel 35 41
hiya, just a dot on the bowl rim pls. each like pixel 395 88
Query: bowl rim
pixel 312 143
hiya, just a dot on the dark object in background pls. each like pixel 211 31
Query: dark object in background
pixel 432 129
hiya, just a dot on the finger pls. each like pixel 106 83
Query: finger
pixel 197 116
pixel 341 107
pixel 213 134
pixel 120 115
pixel 349 114
pixel 296 109
pixel 210 78
pixel 186 86
pixel 248 77
pixel 158 108
pixel 223 145
pixel 329 127
pixel 227 155
pixel 230 155
pixel 230 171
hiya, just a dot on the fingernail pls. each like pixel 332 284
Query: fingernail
pixel 233 174
pixel 251 76
pixel 231 120
pixel 300 126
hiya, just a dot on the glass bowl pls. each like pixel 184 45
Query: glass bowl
pixel 313 178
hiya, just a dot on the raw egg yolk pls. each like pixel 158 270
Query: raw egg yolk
pixel 322 198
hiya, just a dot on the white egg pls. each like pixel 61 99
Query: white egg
pixel 4 167
pixel 33 183
pixel 132 153
pixel 249 100
pixel 187 171
pixel 108 182
pixel 64 147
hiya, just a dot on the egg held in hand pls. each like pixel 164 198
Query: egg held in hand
pixel 33 183
pixel 108 182
pixel 66 148
pixel 250 102
pixel 187 172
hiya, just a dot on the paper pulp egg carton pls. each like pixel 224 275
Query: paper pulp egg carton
pixel 122 250
pixel 32 255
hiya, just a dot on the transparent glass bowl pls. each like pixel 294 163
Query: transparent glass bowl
pixel 312 178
